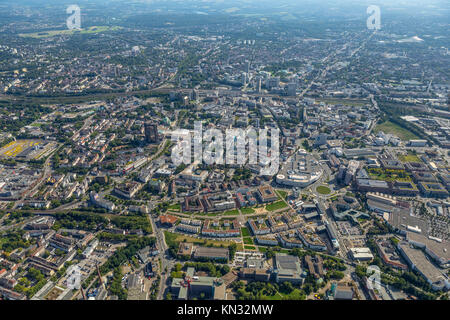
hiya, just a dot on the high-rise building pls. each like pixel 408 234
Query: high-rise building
pixel 273 82
pixel 193 95
pixel 244 78
pixel 291 89
pixel 353 166
pixel 247 66
pixel 320 140
pixel 341 173
pixel 151 132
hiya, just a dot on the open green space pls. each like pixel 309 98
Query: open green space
pixel 234 212
pixel 247 210
pixel 174 237
pixel 276 206
pixel 51 33
pixel 267 291
pixel 175 207
pixel 249 247
pixel 283 194
pixel 410 157
pixel 245 232
pixel 210 214
pixel 388 175
pixel 323 190
pixel 248 240
pixel 276 296
pixel 347 102
pixel 392 128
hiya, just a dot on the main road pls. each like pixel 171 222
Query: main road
pixel 166 261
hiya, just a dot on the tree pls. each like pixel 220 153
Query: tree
pixel 360 271
pixel 232 248
pixel 335 274
pixel 286 287
pixel 34 274
pixel 178 267
pixel 308 288
pixel 116 285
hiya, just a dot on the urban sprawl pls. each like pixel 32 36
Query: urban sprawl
pixel 89 192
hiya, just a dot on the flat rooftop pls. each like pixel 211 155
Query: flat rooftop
pixel 440 249
pixel 372 183
pixel 401 219
pixel 287 262
pixel 419 259
pixel 211 252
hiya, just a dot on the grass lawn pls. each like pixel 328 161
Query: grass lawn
pixel 283 194
pixel 277 296
pixel 234 212
pixel 389 175
pixel 296 294
pixel 248 247
pixel 173 237
pixel 323 190
pixel 347 102
pixel 349 194
pixel 409 158
pixel 212 214
pixel 276 206
pixel 245 232
pixel 45 34
pixel 390 127
pixel 394 240
pixel 247 210
pixel 248 240
pixel 175 207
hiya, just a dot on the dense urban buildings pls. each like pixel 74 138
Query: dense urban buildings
pixel 95 204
